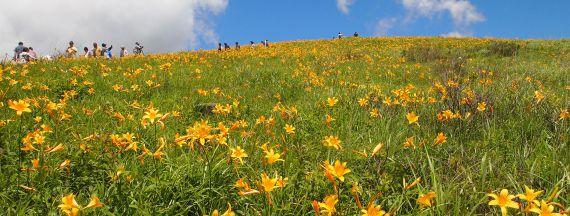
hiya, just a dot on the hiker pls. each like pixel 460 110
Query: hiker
pixel 251 43
pixel 226 46
pixel 32 53
pixel 123 52
pixel 25 56
pixel 219 46
pixel 87 54
pixel 340 35
pixel 355 34
pixel 138 49
pixel 266 43
pixel 106 52
pixel 96 51
pixel 18 50
pixel 71 51
pixel 237 45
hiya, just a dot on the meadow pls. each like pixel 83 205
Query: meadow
pixel 357 126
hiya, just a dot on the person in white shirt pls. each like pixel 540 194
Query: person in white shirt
pixel 71 51
pixel 123 52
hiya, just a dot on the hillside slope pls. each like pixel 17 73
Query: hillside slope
pixel 261 129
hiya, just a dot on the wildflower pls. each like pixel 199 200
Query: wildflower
pixel 328 205
pixel 375 113
pixel 538 96
pixel 272 157
pixel 564 114
pixel 332 141
pixel 238 153
pixel 529 195
pixel 65 164
pixel 363 102
pixel 482 106
pixel 338 169
pixel 545 210
pixel 19 106
pixel 201 131
pixel 228 212
pixel 414 183
pixel 329 119
pixel 426 200
pixel 412 118
pixel 373 210
pixel 332 101
pixel 409 143
pixel 440 139
pixel 69 206
pixel 289 129
pixel 268 184
pixel 151 114
pixel 94 203
pixel 55 149
pixel 503 200
pixel 377 149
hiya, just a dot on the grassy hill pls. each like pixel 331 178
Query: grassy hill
pixel 261 129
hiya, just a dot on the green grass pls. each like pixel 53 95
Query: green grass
pixel 515 142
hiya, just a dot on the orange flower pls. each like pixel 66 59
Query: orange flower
pixel 332 141
pixel 19 106
pixel 440 139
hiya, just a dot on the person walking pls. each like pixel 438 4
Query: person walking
pixel 71 51
pixel 18 50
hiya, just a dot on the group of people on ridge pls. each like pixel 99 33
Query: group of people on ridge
pixel 23 54
pixel 226 46
pixel 101 51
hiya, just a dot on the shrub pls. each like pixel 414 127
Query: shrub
pixel 423 54
pixel 503 49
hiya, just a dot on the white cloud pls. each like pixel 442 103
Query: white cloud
pixel 462 12
pixel 161 25
pixel 343 5
pixel 384 25
pixel 454 34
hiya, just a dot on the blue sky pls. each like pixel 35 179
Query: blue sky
pixel 247 20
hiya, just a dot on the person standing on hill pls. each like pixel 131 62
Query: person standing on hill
pixel 32 53
pixel 71 51
pixel 123 52
pixel 355 34
pixel 25 56
pixel 106 52
pixel 340 35
pixel 96 51
pixel 219 47
pixel 138 49
pixel 87 54
pixel 237 45
pixel 18 50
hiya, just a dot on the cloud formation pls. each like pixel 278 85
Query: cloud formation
pixel 462 13
pixel 384 25
pixel 343 5
pixel 161 25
